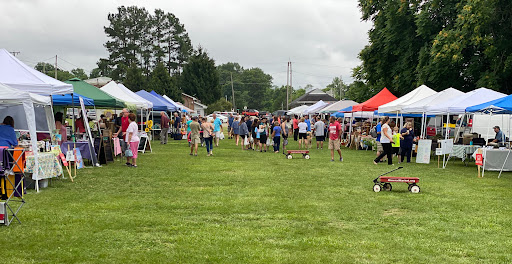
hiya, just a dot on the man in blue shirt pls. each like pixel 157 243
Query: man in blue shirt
pixel 7 134
pixel 500 138
pixel 217 128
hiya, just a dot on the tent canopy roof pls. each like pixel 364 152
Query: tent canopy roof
pixel 122 93
pixel 158 105
pixel 297 110
pixel 338 106
pixel 171 106
pixel 409 99
pixel 18 75
pixel 314 108
pixel 372 104
pixel 101 99
pixel 423 105
pixel 69 100
pixel 459 104
pixel 502 106
pixel 12 96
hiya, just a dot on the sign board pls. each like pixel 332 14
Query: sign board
pixel 144 144
pixel 78 159
pixel 479 159
pixel 446 146
pixel 423 155
pixel 89 135
pixel 439 151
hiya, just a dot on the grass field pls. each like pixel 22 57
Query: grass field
pixel 247 207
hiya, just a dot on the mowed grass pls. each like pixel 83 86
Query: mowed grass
pixel 250 207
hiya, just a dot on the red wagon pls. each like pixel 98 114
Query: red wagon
pixel 384 182
pixel 305 153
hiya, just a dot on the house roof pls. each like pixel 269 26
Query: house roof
pixel 313 97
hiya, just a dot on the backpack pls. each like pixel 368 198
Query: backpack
pixel 373 132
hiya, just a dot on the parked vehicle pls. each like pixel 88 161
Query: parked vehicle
pixel 223 118
pixel 250 112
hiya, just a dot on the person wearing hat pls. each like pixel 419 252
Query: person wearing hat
pixel 499 139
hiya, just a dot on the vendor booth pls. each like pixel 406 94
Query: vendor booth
pixel 315 107
pixel 333 108
pixel 297 110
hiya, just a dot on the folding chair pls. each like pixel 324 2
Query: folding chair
pixel 12 190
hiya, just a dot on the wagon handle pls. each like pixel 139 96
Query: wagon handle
pixel 387 173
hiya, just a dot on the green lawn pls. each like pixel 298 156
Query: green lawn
pixel 250 207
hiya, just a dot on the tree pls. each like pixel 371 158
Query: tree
pixel 79 73
pixel 338 88
pixel 135 80
pixel 62 75
pixel 200 78
pixel 95 73
pixel 140 38
pixel 258 85
pixel 220 105
pixel 162 83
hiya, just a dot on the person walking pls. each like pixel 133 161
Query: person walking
pixel 231 119
pixel 194 136
pixel 386 140
pixel 334 137
pixel 217 128
pixel 396 145
pixel 208 136
pixel 303 129
pixel 164 125
pixel 235 129
pixel 378 129
pixel 406 143
pixel 295 128
pixel 132 139
pixel 244 132
pixel 248 123
pixel 285 130
pixel 177 125
pixel 319 129
pixel 276 136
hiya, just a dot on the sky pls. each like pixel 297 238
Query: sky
pixel 321 38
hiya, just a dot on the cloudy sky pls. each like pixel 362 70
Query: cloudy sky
pixel 321 38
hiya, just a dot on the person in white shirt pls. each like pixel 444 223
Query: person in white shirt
pixel 303 129
pixel 386 139
pixel 132 139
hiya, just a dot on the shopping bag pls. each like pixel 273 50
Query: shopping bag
pixel 246 141
pixel 221 136
pixel 128 153
pixel 269 142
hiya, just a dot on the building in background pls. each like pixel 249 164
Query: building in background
pixel 194 104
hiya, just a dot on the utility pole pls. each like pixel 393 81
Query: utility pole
pixel 55 66
pixel 341 81
pixel 233 93
pixel 287 84
pixel 291 85
pixel 14 53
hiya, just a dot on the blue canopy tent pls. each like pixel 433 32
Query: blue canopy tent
pixel 499 106
pixel 170 107
pixel 68 100
pixel 158 105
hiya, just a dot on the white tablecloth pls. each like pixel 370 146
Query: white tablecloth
pixel 494 158
pixel 462 151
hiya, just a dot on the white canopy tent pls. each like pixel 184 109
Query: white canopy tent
pixel 459 104
pixel 297 110
pixel 20 105
pixel 122 93
pixel 18 75
pixel 178 106
pixel 315 107
pixel 333 108
pixel 409 99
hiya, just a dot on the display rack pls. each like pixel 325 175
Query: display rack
pixel 12 176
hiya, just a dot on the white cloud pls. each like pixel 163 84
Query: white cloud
pixel 321 38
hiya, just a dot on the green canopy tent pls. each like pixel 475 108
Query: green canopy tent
pixel 101 99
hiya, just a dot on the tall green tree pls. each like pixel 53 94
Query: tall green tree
pixel 135 79
pixel 162 83
pixel 200 77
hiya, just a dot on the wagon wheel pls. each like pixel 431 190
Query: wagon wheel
pixel 415 189
pixel 409 187
pixel 307 156
pixel 376 188
pixel 387 186
pixel 289 156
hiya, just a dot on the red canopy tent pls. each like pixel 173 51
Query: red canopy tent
pixel 372 104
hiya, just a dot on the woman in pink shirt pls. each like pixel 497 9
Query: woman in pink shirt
pixel 132 138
